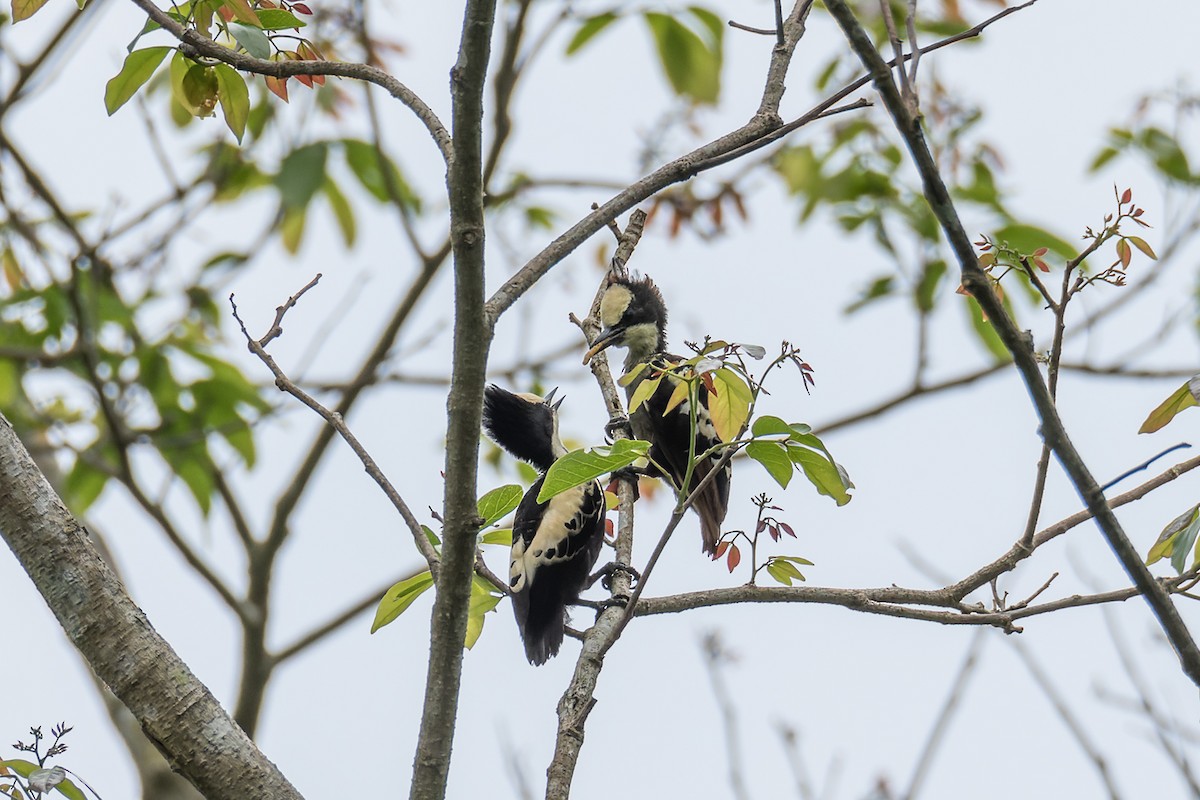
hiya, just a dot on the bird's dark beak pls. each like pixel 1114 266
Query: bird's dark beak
pixel 607 337
pixel 549 399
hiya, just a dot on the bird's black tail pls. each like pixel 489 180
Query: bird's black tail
pixel 541 623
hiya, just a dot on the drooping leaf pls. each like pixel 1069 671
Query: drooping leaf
pixel 823 473
pixel 234 97
pixel 692 67
pixel 1141 244
pixel 342 212
pixel 398 598
pixel 774 458
pixel 378 174
pixel 26 769
pixel 986 333
pixel 730 407
pixel 83 485
pixel 484 598
pixel 499 503
pixel 1184 397
pixel 589 29
pixel 581 466
pixel 139 66
pixel 302 174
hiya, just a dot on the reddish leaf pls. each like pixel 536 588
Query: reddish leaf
pixel 706 377
pixel 762 523
pixel 721 548
pixel 735 558
pixel 1127 195
pixel 608 528
pixel 1041 251
pixel 301 9
pixel 306 80
pixel 1041 265
pixel 226 13
pixel 774 531
pixel 278 86
pixel 788 529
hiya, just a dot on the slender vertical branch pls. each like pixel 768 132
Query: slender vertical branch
pixel 472 340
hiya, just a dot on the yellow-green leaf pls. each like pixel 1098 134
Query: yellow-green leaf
pixel 137 69
pixel 629 377
pixel 398 598
pixel 1184 397
pixel 484 598
pixel 24 9
pixel 1141 244
pixel 678 396
pixel 243 11
pixel 730 405
pixel 642 393
pixel 342 211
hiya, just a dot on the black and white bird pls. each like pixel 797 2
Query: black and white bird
pixel 634 316
pixel 556 543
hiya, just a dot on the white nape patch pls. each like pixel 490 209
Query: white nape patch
pixel 614 303
pixel 552 534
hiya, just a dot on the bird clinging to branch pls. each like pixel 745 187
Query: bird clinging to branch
pixel 556 543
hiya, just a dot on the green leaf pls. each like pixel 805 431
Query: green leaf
pixel 431 536
pixel 774 458
pixel 398 598
pixel 986 333
pixel 368 165
pixel 193 466
pixel 194 86
pixel 822 473
pixel 291 228
pixel 877 289
pixel 484 598
pixel 1027 238
pixel 693 69
pixel 302 174
pixel 234 97
pixel 499 536
pixel 730 406
pixel 277 19
pixel 1184 397
pixel 926 288
pixel 589 29
pixel 770 426
pixel 342 211
pixel 630 376
pixel 242 10
pixel 252 39
pixel 139 66
pixel 579 467
pixel 499 503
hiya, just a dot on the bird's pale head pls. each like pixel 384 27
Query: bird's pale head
pixel 634 316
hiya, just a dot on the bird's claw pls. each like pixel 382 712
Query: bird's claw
pixel 605 575
pixel 619 423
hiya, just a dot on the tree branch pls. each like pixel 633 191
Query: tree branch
pixel 977 283
pixel 173 707
pixel 198 45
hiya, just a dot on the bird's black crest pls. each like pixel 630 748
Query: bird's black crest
pixel 521 424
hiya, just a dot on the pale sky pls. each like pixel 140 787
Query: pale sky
pixel 949 477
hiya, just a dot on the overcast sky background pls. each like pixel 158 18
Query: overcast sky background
pixel 949 476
